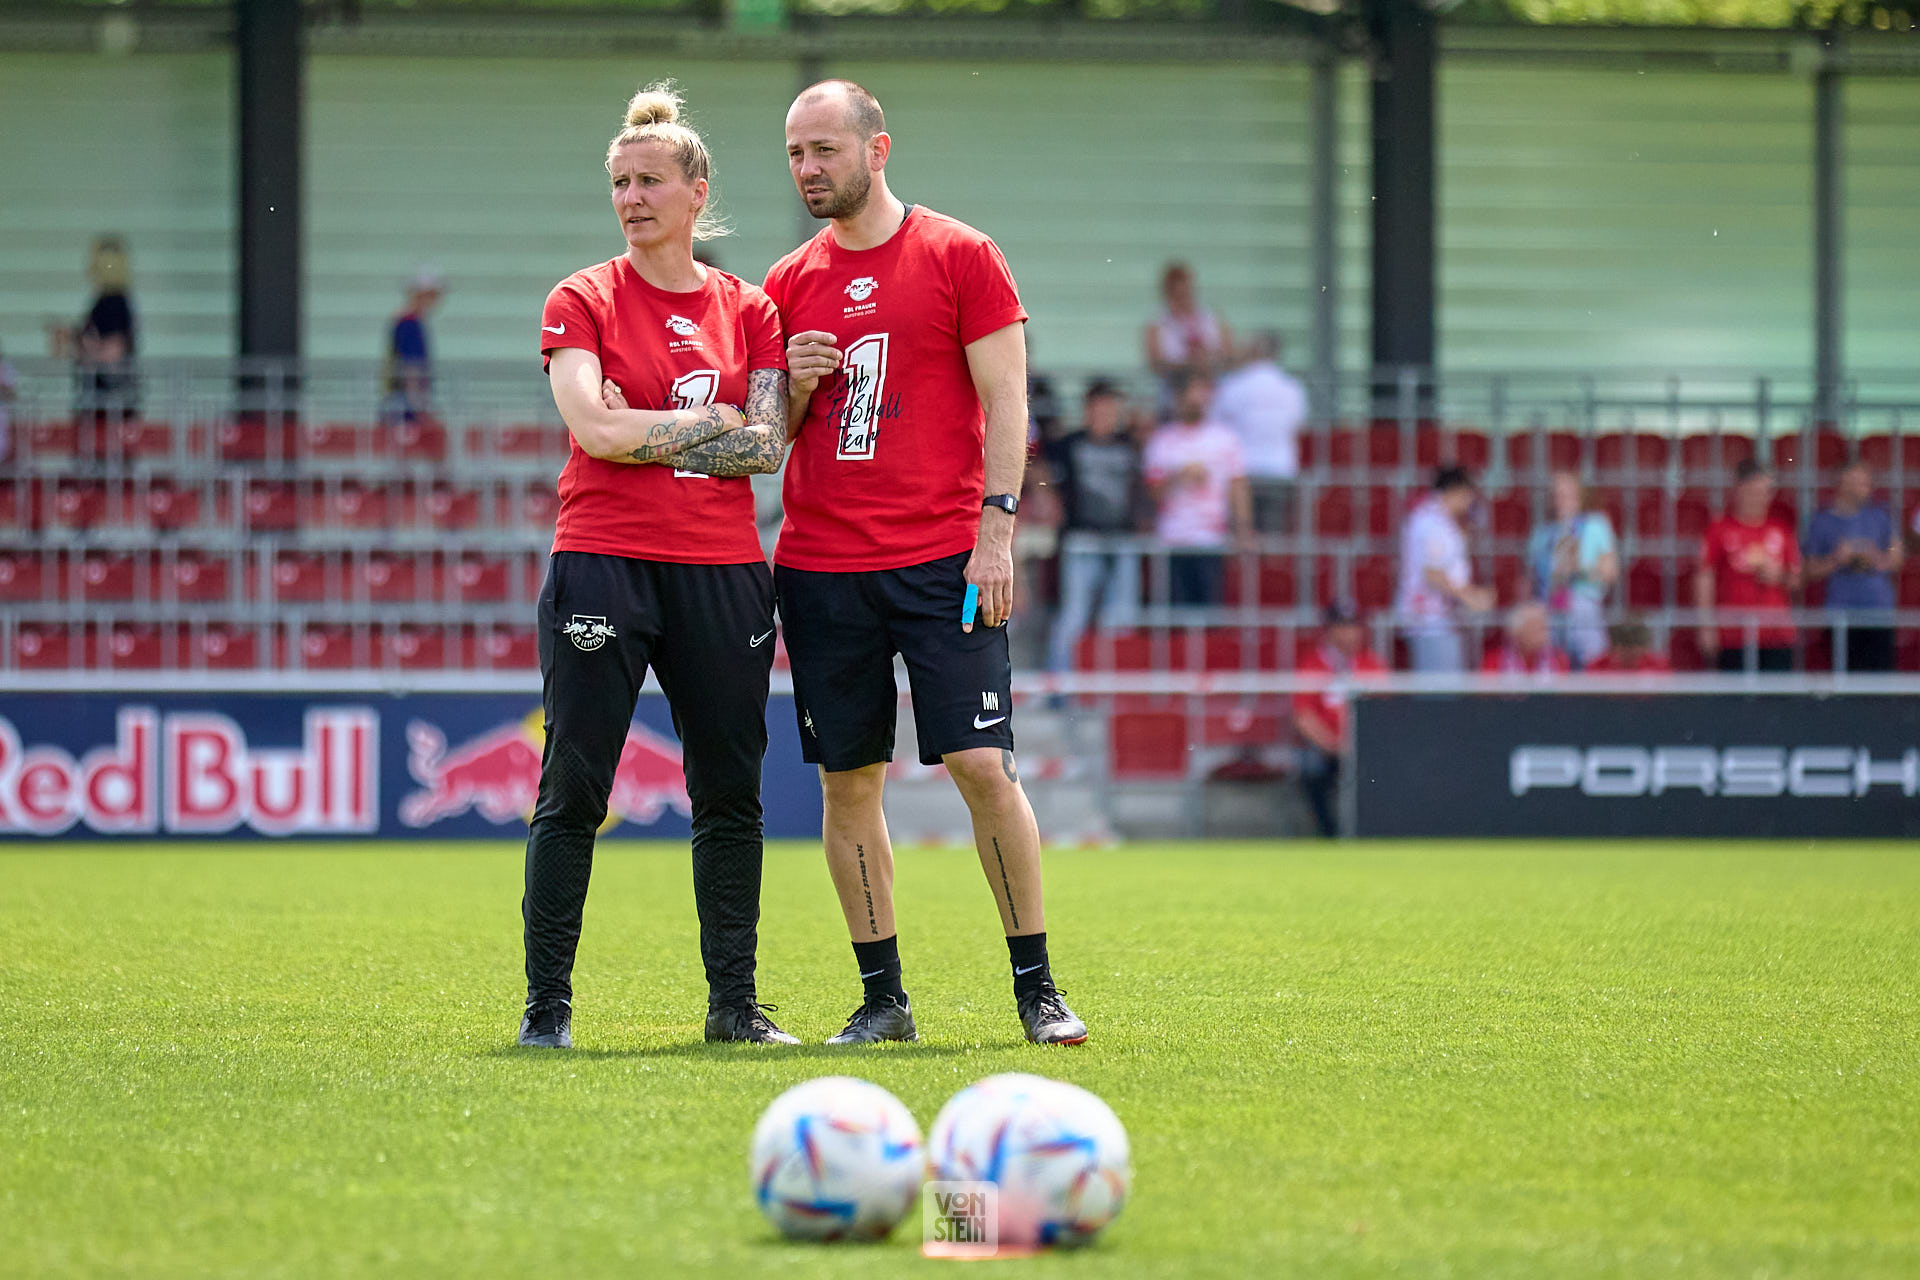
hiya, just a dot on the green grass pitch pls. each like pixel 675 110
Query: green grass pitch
pixel 1526 1060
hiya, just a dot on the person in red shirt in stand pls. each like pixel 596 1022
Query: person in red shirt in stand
pixel 1528 648
pixel 1320 713
pixel 656 563
pixel 1629 652
pixel 1749 567
pixel 908 411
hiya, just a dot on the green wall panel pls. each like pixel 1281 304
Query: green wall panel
pixel 1882 271
pixel 1624 219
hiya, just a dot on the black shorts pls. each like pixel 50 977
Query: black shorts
pixel 842 630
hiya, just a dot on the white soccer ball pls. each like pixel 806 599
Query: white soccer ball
pixel 1058 1154
pixel 836 1158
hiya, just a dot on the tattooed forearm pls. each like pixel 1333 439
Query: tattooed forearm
pixel 747 451
pixel 758 447
pixel 664 439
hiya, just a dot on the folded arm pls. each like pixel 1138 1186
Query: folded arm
pixel 626 435
pixel 757 448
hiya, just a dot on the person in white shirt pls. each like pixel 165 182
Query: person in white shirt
pixel 1436 577
pixel 1265 405
pixel 1197 474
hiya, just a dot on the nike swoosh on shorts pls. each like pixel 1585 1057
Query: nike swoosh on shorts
pixel 978 723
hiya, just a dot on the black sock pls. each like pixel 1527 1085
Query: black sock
pixel 880 967
pixel 1029 954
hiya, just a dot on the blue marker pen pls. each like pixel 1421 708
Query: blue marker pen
pixel 970 605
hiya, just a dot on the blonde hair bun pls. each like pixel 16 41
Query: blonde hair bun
pixel 655 104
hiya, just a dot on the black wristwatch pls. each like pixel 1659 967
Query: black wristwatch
pixel 1005 501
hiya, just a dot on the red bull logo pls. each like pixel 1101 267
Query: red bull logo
pixel 195 772
pixel 497 775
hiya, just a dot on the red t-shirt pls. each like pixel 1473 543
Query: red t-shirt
pixel 1732 549
pixel 1509 661
pixel 666 351
pixel 1649 663
pixel 888 469
pixel 1330 703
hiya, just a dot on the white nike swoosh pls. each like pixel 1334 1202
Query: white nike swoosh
pixel 876 973
pixel 978 723
pixel 757 641
pixel 1018 972
pixel 551 328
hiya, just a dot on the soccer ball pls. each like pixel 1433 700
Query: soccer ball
pixel 836 1158
pixel 1058 1154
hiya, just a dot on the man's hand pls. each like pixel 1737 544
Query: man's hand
pixel 811 356
pixel 1477 599
pixel 990 568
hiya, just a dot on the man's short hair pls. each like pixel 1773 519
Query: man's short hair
pixel 1101 387
pixel 1749 468
pixel 863 109
pixel 1451 477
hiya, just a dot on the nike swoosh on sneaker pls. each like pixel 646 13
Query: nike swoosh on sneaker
pixel 554 328
pixel 757 641
pixel 978 723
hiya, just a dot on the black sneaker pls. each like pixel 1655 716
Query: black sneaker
pixel 747 1021
pixel 1048 1020
pixel 547 1024
pixel 885 1018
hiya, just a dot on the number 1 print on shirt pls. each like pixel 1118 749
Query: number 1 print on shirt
pixel 865 372
pixel 695 390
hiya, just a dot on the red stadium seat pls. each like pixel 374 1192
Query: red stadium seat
pixel 1651 510
pixel 252 439
pixel 1148 744
pixel 358 506
pixel 389 579
pixel 1561 452
pixel 1342 447
pixel 480 579
pixel 1383 444
pixel 1714 456
pixel 44 646
pixel 1383 510
pixel 510 648
pixel 23 576
pixel 108 577
pixel 1647 584
pixel 1684 651
pixel 1333 512
pixel 1878 452
pixel 1785 507
pixel 529 440
pixel 1509 579
pixel 223 647
pixel 137 438
pixel 339 440
pixel 1472 450
pixel 415 647
pixel 1907 652
pixel 51 440
pixel 1247 722
pixel 1910 584
pixel 132 646
pixel 79 504
pixel 1691 514
pixel 197 577
pixel 168 507
pixel 1613 503
pixel 330 647
pixel 422 440
pixel 20 504
pixel 539 505
pixel 271 506
pixel 454 509
pixel 1830 450
pixel 1373 582
pixel 1512 514
pixel 300 577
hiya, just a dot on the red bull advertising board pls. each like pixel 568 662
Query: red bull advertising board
pixel 92 766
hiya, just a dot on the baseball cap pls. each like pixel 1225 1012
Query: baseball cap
pixel 427 279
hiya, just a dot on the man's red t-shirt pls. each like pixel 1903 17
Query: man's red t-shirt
pixel 1733 549
pixel 666 351
pixel 1509 661
pixel 888 469
pixel 1330 703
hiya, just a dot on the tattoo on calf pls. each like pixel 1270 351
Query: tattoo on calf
pixel 873 925
pixel 1007 766
pixel 1006 887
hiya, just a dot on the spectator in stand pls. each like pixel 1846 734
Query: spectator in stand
pixel 407 380
pixel 1436 577
pixel 1629 651
pixel 1854 548
pixel 105 345
pixel 1573 562
pixel 1527 649
pixel 1198 477
pixel 1749 566
pixel 1265 405
pixel 1185 338
pixel 1320 714
pixel 1096 479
